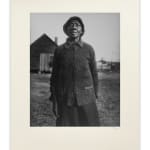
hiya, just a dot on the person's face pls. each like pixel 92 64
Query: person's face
pixel 74 29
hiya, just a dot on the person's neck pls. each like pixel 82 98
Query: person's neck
pixel 77 39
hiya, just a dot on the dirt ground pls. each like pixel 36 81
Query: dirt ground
pixel 108 103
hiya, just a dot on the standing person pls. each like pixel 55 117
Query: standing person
pixel 74 80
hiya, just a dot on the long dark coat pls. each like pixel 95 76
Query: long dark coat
pixel 74 80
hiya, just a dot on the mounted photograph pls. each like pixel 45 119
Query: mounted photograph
pixel 75 69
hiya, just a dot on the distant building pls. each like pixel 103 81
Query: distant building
pixel 108 66
pixel 41 54
pixel 115 66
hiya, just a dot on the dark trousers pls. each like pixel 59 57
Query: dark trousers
pixel 86 115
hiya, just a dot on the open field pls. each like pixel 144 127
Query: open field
pixel 108 103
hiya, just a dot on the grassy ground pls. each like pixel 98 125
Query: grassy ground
pixel 108 103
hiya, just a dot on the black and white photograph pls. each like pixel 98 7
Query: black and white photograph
pixel 75 69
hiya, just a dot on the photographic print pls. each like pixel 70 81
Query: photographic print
pixel 75 69
pixel 75 75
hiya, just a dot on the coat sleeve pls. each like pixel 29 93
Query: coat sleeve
pixel 53 79
pixel 93 69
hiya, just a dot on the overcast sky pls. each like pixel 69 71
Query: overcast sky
pixel 102 31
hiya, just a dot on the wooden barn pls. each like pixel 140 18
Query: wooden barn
pixel 41 54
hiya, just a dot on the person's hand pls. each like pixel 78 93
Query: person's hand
pixel 54 105
pixel 54 108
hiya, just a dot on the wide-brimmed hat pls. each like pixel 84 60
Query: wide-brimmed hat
pixel 72 19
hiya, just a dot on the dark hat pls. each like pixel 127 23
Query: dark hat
pixel 72 19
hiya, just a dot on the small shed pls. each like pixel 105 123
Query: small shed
pixel 41 54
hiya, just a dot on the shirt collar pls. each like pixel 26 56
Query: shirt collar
pixel 70 43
